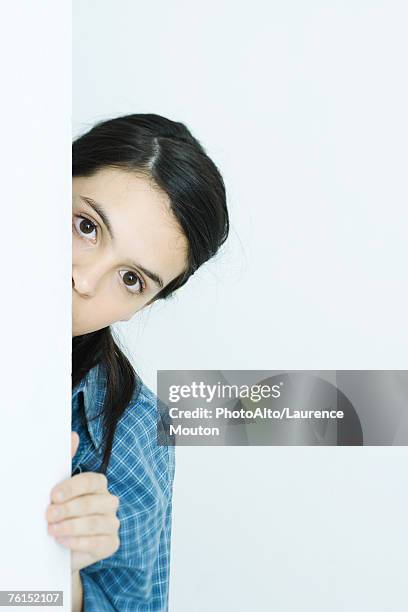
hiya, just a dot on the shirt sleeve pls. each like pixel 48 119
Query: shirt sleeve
pixel 136 577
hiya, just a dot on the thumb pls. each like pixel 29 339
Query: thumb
pixel 74 443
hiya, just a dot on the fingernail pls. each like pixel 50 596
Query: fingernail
pixel 59 496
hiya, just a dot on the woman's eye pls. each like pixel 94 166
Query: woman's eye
pixel 134 283
pixel 84 226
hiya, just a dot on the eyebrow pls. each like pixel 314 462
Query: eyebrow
pixel 98 208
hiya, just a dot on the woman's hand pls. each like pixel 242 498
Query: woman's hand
pixel 85 518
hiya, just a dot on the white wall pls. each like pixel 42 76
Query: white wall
pixel 35 252
pixel 303 107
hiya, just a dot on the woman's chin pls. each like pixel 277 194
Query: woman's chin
pixel 77 331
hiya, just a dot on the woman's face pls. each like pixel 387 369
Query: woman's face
pixel 123 233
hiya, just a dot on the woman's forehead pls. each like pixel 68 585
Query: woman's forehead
pixel 118 186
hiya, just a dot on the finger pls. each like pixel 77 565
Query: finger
pixel 80 484
pixel 83 506
pixel 100 546
pixel 94 524
pixel 74 443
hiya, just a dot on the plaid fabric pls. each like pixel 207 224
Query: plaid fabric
pixel 136 577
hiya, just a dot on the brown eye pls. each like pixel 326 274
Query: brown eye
pixel 85 227
pixel 134 283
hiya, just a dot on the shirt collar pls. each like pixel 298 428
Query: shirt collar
pixel 93 387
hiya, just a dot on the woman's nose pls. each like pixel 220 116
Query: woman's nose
pixel 84 284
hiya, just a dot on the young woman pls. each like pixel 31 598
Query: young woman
pixel 149 208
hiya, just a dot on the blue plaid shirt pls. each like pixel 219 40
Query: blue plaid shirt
pixel 140 472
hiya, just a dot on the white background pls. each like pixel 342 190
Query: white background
pixel 35 255
pixel 303 108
